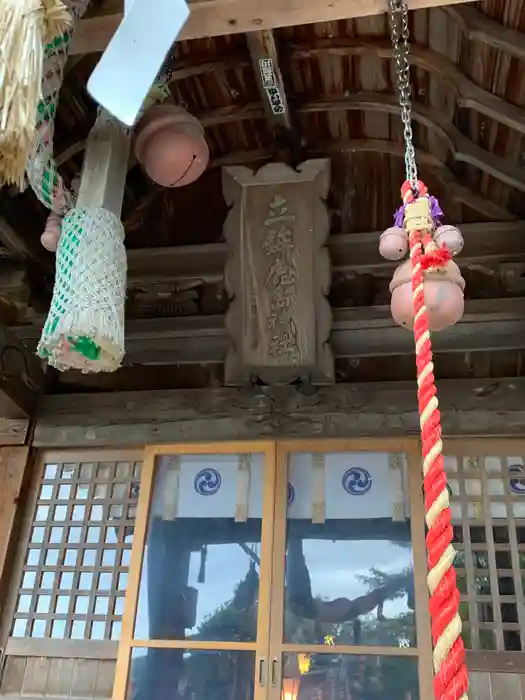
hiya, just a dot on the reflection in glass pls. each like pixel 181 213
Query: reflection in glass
pixel 349 579
pixel 192 675
pixel 349 677
pixel 200 575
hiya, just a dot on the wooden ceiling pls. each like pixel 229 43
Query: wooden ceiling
pixel 468 83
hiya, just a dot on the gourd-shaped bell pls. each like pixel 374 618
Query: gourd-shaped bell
pixel 449 237
pixel 170 145
pixel 49 239
pixel 393 243
pixel 443 296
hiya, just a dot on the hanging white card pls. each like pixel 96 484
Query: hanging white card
pixel 134 56
pixel 210 486
pixel 356 486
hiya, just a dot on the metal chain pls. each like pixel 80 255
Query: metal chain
pixel 398 16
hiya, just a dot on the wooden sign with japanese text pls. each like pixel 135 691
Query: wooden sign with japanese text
pixel 278 274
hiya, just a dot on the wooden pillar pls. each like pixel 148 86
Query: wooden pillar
pixel 278 274
pixel 14 473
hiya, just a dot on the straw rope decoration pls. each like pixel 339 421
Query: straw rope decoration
pixel 42 171
pixel 26 26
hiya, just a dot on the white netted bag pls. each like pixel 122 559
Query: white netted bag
pixel 85 326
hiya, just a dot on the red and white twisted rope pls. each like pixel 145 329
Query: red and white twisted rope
pixel 450 671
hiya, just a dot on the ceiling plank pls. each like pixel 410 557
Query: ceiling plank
pixel 468 407
pixel 220 17
pixel 357 332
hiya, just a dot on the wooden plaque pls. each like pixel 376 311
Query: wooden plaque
pixel 278 274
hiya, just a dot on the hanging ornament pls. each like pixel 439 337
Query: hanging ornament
pixel 420 219
pixel 26 26
pixel 85 326
pixel 170 145
pixel 443 284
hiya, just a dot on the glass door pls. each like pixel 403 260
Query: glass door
pixel 197 617
pixel 349 606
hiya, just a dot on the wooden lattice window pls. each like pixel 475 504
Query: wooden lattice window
pixel 488 514
pixel 75 570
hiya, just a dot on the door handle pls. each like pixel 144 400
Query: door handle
pixel 275 671
pixel 261 678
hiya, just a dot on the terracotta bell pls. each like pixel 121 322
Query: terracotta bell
pixel 49 239
pixel 393 243
pixel 449 237
pixel 170 145
pixel 443 296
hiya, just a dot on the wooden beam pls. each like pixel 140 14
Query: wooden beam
pixel 13 431
pixel 21 377
pixel 220 17
pixel 488 324
pixel 468 407
pixel 265 62
pixel 350 253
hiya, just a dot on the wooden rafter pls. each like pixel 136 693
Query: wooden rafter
pixel 220 17
pixel 456 191
pixel 478 27
pixel 462 148
pixel 468 93
pixel 497 324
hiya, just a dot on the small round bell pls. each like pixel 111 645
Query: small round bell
pixel 49 239
pixel 393 243
pixel 170 145
pixel 449 237
pixel 443 296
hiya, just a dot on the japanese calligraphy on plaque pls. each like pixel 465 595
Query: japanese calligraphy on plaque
pixel 278 274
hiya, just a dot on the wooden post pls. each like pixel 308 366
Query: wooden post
pixel 14 463
pixel 278 274
pixel 105 166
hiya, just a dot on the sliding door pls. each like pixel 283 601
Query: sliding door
pixel 197 610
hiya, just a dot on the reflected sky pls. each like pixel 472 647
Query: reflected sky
pixel 228 565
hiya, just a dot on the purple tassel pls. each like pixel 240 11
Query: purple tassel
pixel 435 211
pixel 399 217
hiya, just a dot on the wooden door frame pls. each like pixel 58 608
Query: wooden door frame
pixel 261 645
pixel 410 447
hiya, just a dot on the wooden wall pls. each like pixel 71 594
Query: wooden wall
pixel 92 679
pixel 53 678
pixel 496 686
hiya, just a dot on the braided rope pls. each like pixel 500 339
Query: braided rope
pixel 450 671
